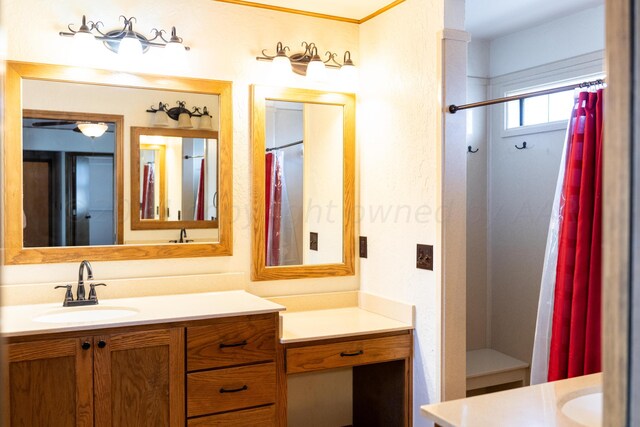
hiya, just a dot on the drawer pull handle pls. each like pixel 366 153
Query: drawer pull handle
pixel 233 390
pixel 238 344
pixel 357 353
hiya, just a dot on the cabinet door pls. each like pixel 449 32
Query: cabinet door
pixel 50 382
pixel 139 378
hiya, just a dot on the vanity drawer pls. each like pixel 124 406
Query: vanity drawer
pixel 348 353
pixel 256 417
pixel 228 343
pixel 221 390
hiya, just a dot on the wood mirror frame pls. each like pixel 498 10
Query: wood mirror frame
pixel 155 224
pixel 15 253
pixel 259 96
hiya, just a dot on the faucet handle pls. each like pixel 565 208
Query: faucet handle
pixel 68 296
pixel 92 292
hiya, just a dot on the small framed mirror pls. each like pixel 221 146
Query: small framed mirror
pixel 177 178
pixel 303 144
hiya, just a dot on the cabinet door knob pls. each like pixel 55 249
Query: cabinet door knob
pixel 86 345
pixel 102 344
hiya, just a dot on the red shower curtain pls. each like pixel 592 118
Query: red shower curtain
pixel 148 192
pixel 575 337
pixel 273 200
pixel 200 197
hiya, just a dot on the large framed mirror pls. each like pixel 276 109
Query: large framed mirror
pixel 176 184
pixel 67 139
pixel 303 169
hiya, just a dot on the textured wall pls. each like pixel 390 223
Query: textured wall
pixel 224 39
pixel 398 116
pixel 565 37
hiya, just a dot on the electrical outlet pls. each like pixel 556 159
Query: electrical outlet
pixel 313 241
pixel 424 257
pixel 363 247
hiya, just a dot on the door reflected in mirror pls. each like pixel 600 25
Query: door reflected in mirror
pixel 69 179
pixel 303 183
pixel 177 178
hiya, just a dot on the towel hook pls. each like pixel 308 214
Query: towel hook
pixel 524 145
pixel 469 150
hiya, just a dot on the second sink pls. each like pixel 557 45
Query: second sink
pixel 585 409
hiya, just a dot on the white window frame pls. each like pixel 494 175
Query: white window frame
pixel 583 68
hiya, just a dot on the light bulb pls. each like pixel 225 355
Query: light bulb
pixel 281 66
pixel 84 41
pixel 130 47
pixel 316 70
pixel 184 121
pixel 349 74
pixel 174 49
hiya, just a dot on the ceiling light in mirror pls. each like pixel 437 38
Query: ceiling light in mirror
pixel 92 130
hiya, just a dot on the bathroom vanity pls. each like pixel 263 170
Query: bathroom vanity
pixel 202 359
pixel 159 365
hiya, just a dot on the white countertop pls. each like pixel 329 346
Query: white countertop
pixel 17 319
pixel 335 323
pixel 534 406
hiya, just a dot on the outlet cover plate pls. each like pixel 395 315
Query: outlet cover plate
pixel 424 257
pixel 363 247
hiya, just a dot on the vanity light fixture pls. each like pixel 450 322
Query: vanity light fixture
pixel 181 114
pixel 308 63
pixel 124 41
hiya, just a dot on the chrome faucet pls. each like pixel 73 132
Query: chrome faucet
pixel 80 294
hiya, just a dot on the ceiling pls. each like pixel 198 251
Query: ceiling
pixel 485 19
pixel 489 19
pixel 348 10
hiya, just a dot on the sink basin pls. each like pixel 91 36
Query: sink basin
pixel 85 314
pixel 585 409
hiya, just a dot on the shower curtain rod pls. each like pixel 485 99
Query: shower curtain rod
pixel 284 146
pixel 455 108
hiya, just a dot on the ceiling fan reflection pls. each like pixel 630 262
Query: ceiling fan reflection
pixel 90 129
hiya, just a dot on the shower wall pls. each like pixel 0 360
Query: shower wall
pixel 510 191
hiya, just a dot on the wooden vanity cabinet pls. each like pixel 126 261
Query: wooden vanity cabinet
pixel 116 379
pixel 137 376
pixel 382 373
pixel 49 381
pixel 231 372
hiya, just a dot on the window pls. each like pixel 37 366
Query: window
pixel 544 108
